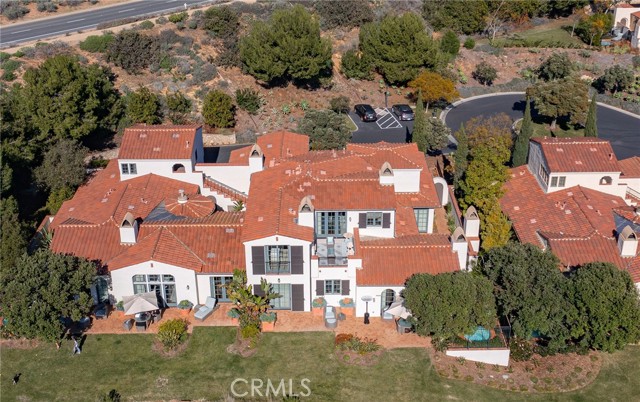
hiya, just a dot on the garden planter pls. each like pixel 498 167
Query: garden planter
pixel 317 311
pixel 268 326
pixel 348 311
pixel 185 312
pixel 234 321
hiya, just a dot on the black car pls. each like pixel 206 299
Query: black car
pixel 404 112
pixel 366 112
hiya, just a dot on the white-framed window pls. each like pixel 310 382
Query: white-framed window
pixel 331 223
pixel 129 168
pixel 284 301
pixel 558 181
pixel 422 219
pixel 544 175
pixel 332 287
pixel 374 219
pixel 277 260
pixel 163 285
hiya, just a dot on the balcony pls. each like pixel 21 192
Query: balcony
pixel 334 251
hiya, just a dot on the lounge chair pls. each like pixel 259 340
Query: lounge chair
pixel 330 319
pixel 127 324
pixel 206 310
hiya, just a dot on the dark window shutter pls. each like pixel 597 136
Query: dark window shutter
pixel 297 297
pixel 257 256
pixel 257 290
pixel 362 221
pixel 345 288
pixel 297 260
pixel 386 221
pixel 320 288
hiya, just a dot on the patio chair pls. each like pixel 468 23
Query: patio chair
pixel 330 318
pixel 127 324
pixel 101 311
pixel 206 310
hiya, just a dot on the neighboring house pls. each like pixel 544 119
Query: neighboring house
pixel 352 223
pixel 581 222
pixel 626 20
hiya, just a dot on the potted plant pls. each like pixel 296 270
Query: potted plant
pixel 347 306
pixel 268 321
pixel 120 308
pixel 317 306
pixel 185 306
pixel 234 314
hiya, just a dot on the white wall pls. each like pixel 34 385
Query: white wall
pixel 122 280
pixel 375 292
pixel 347 272
pixel 304 279
pixel 590 180
pixel 489 356
pixel 353 220
pixel 623 12
pixel 406 180
pixel 236 177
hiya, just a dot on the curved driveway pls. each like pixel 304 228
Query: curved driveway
pixel 622 129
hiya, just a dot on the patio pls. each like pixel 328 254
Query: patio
pixel 383 331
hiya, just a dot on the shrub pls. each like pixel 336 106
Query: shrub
pixel 172 333
pixel 218 110
pixel 221 22
pixel 485 74
pixel 97 43
pixel 178 17
pixel 146 24
pixel 344 13
pixel 47 6
pixel 179 107
pixel 14 11
pixel 439 344
pixel 635 60
pixel 343 338
pixel 161 20
pixel 4 56
pixel 521 349
pixel 204 73
pixel 340 104
pixel 249 99
pixel 354 66
pixel 450 43
pixel 233 313
pixel 469 43
pixel 356 344
pixel 8 69
pixel 133 51
pixel 250 332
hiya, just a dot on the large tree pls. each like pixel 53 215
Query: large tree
pixel 63 98
pixel 178 108
pixel 399 47
pixel 591 126
pixel 608 305
pixel 13 240
pixel 530 291
pixel 218 110
pixel 62 166
pixel 496 228
pixel 288 46
pixel 467 17
pixel 521 147
pixel 42 289
pixel 143 106
pixel 326 129
pixel 461 156
pixel 450 304
pixel 567 97
pixel 482 184
pixel 616 78
pixel 434 88
pixel 555 67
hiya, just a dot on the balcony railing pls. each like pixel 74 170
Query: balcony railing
pixel 333 251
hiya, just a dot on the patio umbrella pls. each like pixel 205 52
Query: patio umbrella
pixel 398 309
pixel 140 303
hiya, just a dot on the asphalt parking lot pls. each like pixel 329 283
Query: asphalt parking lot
pixel 387 128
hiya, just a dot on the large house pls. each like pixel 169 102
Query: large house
pixel 626 20
pixel 576 199
pixel 169 217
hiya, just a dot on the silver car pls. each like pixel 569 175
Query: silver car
pixel 403 112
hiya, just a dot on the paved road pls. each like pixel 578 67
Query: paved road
pixel 46 28
pixel 621 129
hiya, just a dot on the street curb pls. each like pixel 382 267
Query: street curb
pixel 617 109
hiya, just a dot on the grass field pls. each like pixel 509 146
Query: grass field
pixel 551 34
pixel 205 371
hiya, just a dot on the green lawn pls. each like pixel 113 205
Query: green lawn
pixel 206 371
pixel 550 34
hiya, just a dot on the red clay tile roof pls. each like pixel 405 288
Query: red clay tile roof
pixel 573 252
pixel 634 269
pixel 275 146
pixel 212 245
pixel 196 206
pixel 630 167
pixel 105 197
pixel 578 154
pixel 346 179
pixel 94 242
pixel 636 14
pixel 158 142
pixel 390 262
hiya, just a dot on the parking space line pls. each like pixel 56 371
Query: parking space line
pixel 387 120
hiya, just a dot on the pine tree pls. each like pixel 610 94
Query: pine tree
pixel 591 127
pixel 420 126
pixel 521 148
pixel 461 156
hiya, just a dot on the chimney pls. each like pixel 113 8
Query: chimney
pixel 471 223
pixel 628 242
pixel 460 246
pixel 182 198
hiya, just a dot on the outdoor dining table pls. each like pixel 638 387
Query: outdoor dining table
pixel 142 320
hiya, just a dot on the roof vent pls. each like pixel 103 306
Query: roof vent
pixel 143 135
pixel 260 219
pixel 533 221
pixel 516 208
pixel 156 149
pixel 559 149
pixel 610 156
pixel 105 199
pixel 592 149
pixel 211 254
pixel 230 230
pixel 175 135
pixel 578 162
pixel 131 207
pixel 182 198
pixel 269 146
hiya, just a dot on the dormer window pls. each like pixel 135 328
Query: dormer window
pixel 306 205
pixel 178 168
pixel 558 181
pixel 128 168
pixel 305 208
pixel 386 169
pixel 606 181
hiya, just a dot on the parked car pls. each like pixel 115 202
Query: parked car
pixel 366 112
pixel 404 112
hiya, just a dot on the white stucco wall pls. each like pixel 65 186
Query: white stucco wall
pixel 406 180
pixel 236 177
pixel 347 272
pixel 623 13
pixel 122 280
pixel 489 356
pixel 375 304
pixel 590 180
pixel 377 231
pixel 633 184
pixel 161 167
pixel 304 279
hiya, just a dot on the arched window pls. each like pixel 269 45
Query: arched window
pixel 606 181
pixel 178 168
pixel 387 297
